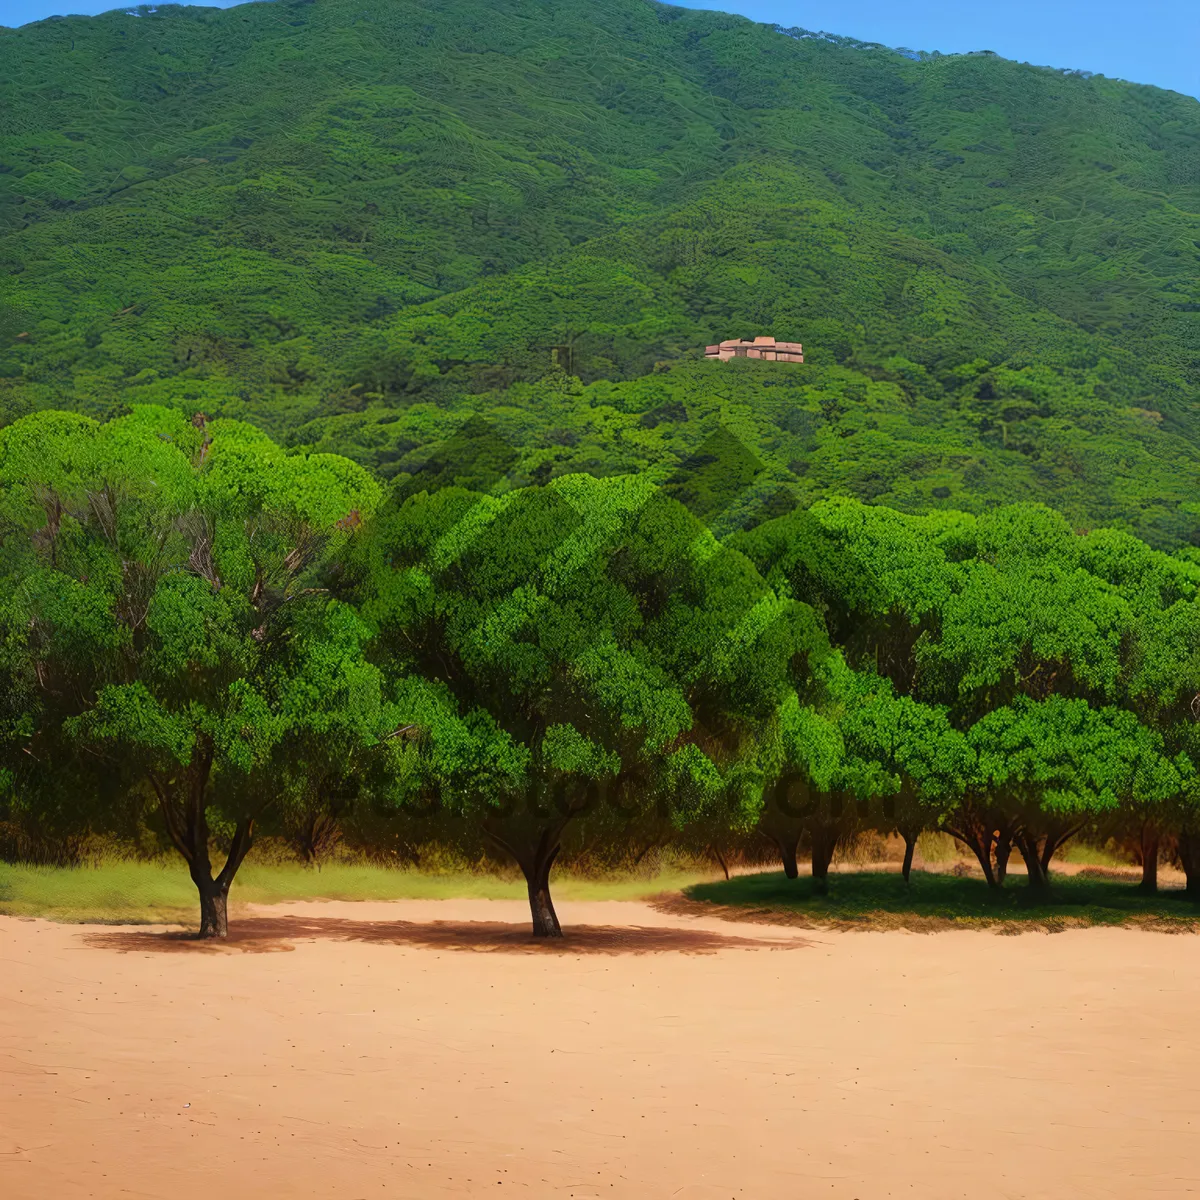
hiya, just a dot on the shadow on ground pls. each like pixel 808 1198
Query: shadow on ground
pixel 266 934
pixel 881 900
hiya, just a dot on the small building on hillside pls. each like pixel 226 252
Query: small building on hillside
pixel 760 347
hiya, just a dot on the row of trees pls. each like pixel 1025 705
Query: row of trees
pixel 202 636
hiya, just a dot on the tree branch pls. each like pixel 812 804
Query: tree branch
pixel 242 841
pixel 169 818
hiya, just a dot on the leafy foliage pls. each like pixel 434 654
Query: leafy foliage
pixel 203 634
pixel 363 227
pixel 358 457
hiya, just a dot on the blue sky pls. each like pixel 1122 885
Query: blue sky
pixel 1154 41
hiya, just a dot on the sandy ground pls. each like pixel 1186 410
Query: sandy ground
pixel 426 1049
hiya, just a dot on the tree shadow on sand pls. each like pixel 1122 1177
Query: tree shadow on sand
pixel 258 935
pixel 880 900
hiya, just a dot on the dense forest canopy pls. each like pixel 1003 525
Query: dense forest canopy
pixel 367 227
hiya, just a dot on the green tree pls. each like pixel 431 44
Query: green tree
pixel 1055 767
pixel 171 582
pixel 1159 689
pixel 916 744
pixel 822 784
pixel 601 633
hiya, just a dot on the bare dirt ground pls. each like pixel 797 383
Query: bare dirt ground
pixel 427 1049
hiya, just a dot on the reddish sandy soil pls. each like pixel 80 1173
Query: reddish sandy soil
pixel 426 1049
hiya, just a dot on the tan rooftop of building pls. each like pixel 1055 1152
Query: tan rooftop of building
pixel 759 347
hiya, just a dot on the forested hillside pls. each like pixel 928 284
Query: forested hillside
pixel 358 225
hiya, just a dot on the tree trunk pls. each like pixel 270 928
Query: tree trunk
pixel 214 892
pixel 982 850
pixel 214 911
pixel 824 840
pixel 716 853
pixel 1055 840
pixel 1028 846
pixel 787 851
pixel 535 864
pixel 541 906
pixel 910 846
pixel 1003 851
pixel 184 806
pixel 1189 859
pixel 976 834
pixel 1049 846
pixel 1150 840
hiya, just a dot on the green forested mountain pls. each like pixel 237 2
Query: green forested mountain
pixel 362 224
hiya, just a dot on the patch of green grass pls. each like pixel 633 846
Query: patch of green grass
pixel 1091 856
pixel 162 893
pixel 937 847
pixel 881 899
pixel 115 892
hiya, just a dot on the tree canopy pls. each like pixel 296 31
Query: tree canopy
pixel 205 636
pixel 360 464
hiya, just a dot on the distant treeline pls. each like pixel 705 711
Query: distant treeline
pixel 204 638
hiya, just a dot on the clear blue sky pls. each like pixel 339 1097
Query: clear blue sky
pixel 1154 41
